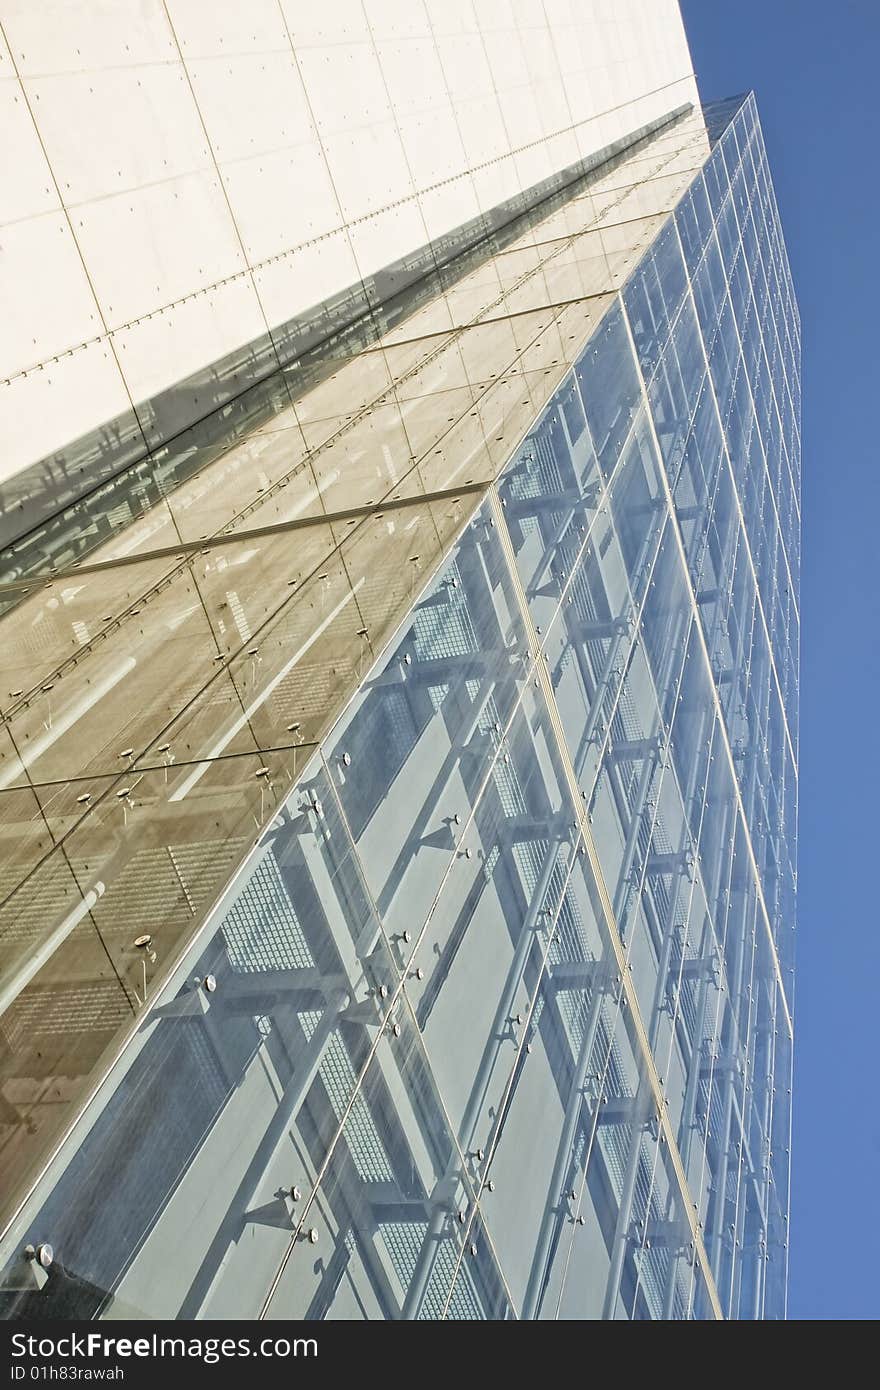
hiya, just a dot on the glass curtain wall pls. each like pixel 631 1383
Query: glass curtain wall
pixel 171 666
pixel 495 1021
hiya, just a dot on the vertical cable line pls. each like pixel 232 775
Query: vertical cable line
pixel 763 348
pixel 611 925
pixel 708 663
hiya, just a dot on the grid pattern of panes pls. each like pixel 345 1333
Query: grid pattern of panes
pixel 176 644
pixel 496 1019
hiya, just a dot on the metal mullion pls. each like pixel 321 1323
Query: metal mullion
pixel 769 306
pixel 762 345
pixel 715 220
pixel 740 513
pixel 611 926
pixel 693 1074
pixel 771 300
pixel 742 1138
pixel 708 663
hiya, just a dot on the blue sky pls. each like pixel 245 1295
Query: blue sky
pixel 813 67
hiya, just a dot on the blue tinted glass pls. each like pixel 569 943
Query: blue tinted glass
pixel 653 296
pixel 694 218
pixel 410 757
pixel 494 1019
pixel 609 387
pixel 237 1086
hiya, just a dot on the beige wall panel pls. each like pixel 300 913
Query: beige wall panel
pixel 226 27
pixel 56 36
pixel 156 244
pixel 221 164
pixel 180 340
pixel 42 411
pixel 26 188
pixel 48 306
pixel 306 277
pixel 134 126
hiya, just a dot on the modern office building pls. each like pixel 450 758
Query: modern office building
pixel 399 615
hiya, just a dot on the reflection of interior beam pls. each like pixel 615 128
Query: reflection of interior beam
pixel 568 974
pixel 359 1214
pixel 454 939
pixel 671 1234
pixel 625 633
pixel 597 629
pixel 489 661
pixel 595 692
pixel 636 813
pixel 499 1032
pixel 689 1104
pixel 633 750
pixel 258 987
pixel 518 830
pixel 638 1111
pixel 422 819
pixel 754 1175
pixel 718 1198
pixel 435 1236
pixel 500 1029
pixel 529 507
pixel 214 1264
pixel 554 1207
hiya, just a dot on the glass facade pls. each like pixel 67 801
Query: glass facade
pixel 432 954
